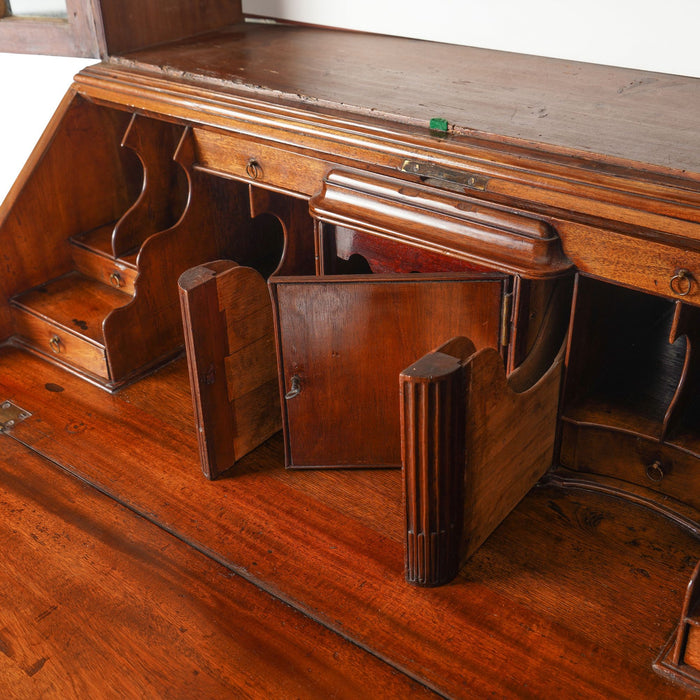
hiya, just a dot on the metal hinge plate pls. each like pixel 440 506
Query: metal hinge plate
pixel 10 415
pixel 464 180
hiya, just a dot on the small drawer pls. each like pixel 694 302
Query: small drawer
pixel 648 265
pixel 62 345
pixel 111 272
pixel 247 159
pixel 632 459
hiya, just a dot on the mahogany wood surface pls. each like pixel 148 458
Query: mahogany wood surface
pixel 56 195
pixel 528 99
pixel 574 595
pixel 230 344
pixel 98 602
pixel 131 24
pixel 346 338
pixel 433 418
pixel 163 195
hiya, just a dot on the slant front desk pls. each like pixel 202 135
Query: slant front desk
pixel 478 267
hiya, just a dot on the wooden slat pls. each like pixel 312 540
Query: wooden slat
pixel 572 596
pixel 99 602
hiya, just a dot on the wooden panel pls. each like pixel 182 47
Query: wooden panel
pixel 552 578
pixel 509 442
pixel 133 24
pixel 215 224
pixel 60 345
pixel 506 96
pixel 100 602
pixel 164 192
pixel 258 162
pixel 74 36
pixel 335 330
pixel 77 178
pixel 470 442
pixel 650 266
pixel 227 318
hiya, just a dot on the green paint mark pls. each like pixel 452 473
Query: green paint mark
pixel 438 124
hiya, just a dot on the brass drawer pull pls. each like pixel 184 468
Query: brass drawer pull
pixel 253 169
pixel 295 389
pixel 115 279
pixel 655 472
pixel 55 344
pixel 682 282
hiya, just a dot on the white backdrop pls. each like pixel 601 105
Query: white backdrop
pixel 646 34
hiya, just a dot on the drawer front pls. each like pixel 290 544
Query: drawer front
pixel 110 272
pixel 60 344
pixel 643 264
pixel 632 459
pixel 257 162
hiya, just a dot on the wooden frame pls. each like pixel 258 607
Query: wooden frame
pixel 74 36
pixel 99 28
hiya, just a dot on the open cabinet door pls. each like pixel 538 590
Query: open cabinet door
pixel 342 342
pixel 227 319
pixel 473 444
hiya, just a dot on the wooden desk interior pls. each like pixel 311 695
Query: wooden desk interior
pixel 554 204
pixel 125 569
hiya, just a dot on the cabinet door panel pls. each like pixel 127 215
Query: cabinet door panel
pixel 346 340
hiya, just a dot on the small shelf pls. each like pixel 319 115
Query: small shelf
pixel 624 373
pixel 74 302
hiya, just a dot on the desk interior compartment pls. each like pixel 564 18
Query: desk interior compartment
pixel 630 410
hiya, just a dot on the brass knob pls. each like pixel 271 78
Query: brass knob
pixel 682 282
pixel 115 279
pixel 294 389
pixel 253 169
pixel 655 472
pixel 55 344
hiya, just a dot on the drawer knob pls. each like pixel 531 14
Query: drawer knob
pixel 655 472
pixel 294 389
pixel 682 282
pixel 115 279
pixel 55 344
pixel 253 169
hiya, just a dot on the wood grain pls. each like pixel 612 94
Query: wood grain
pixel 229 337
pixel 526 98
pixel 334 330
pixel 48 204
pixel 98 602
pixel 553 577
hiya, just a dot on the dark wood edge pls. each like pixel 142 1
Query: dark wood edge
pixel 344 141
pixel 681 514
pixel 100 382
pixel 680 674
pixel 125 74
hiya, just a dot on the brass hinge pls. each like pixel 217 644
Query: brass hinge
pixel 506 310
pixel 10 415
pixel 429 171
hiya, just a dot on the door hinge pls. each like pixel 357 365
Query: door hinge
pixel 10 415
pixel 506 311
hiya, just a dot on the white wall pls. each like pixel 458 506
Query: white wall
pixel 646 34
pixel 657 35
pixel 30 89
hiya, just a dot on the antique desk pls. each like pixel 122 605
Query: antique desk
pixel 483 268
